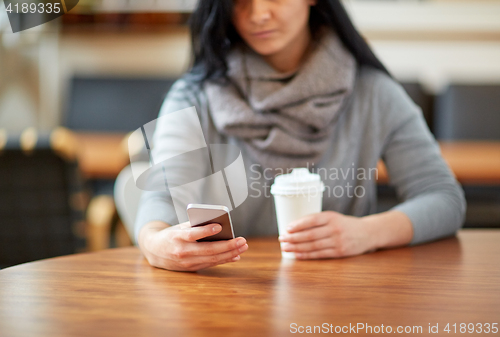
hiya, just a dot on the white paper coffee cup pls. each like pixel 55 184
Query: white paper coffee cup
pixel 296 195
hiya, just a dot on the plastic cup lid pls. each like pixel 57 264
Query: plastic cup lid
pixel 300 181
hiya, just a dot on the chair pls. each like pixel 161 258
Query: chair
pixel 41 198
pixel 472 112
pixel 468 112
pixel 114 104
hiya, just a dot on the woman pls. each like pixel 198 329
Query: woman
pixel 293 84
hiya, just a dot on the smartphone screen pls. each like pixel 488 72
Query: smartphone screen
pixel 201 215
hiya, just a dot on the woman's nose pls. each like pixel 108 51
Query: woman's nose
pixel 260 11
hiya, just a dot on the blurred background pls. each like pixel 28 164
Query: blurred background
pixel 71 90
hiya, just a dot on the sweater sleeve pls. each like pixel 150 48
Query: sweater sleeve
pixel 171 139
pixel 431 197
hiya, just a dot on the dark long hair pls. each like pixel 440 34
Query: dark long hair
pixel 213 35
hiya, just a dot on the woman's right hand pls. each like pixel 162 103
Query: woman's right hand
pixel 176 248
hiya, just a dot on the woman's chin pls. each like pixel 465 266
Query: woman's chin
pixel 265 49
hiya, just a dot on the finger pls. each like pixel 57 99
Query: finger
pixel 202 249
pixel 309 221
pixel 318 254
pixel 208 265
pixel 218 247
pixel 308 246
pixel 184 225
pixel 192 234
pixel 216 259
pixel 310 234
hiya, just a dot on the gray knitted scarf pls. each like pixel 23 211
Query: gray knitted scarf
pixel 284 120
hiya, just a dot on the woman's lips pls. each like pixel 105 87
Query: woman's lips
pixel 264 34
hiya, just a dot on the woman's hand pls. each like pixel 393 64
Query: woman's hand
pixel 176 248
pixel 331 234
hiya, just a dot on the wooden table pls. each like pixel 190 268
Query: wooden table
pixel 116 293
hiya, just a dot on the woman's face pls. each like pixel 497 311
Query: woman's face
pixel 272 26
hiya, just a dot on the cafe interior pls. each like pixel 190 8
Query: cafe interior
pixel 74 89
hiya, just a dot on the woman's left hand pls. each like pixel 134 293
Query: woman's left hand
pixel 328 235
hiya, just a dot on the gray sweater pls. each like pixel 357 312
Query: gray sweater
pixel 379 122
